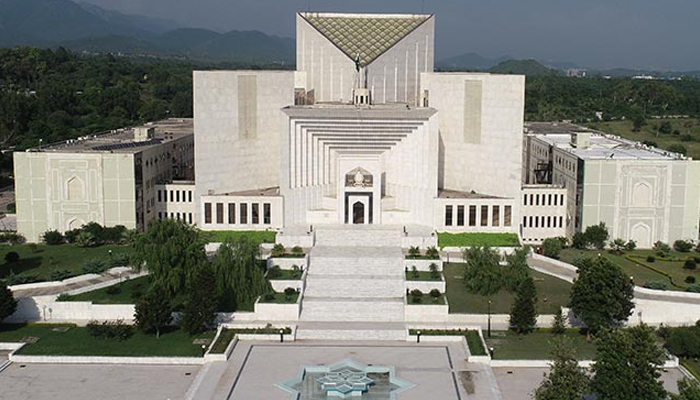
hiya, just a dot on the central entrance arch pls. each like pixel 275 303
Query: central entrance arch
pixel 358 208
pixel 358 213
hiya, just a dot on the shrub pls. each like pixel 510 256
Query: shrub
pixel 52 237
pixel 113 290
pixel 297 250
pixel 689 279
pixel 690 264
pixel 71 235
pixel 434 273
pixel 414 271
pixel 677 148
pixel 693 289
pixel 269 297
pixel 12 257
pixel 114 234
pixel 274 272
pixel 551 247
pixel 86 239
pixel 110 330
pixel 597 235
pixel 12 238
pixel 682 246
pixel 651 258
pixel 416 295
pixel 414 251
pixel 278 250
pixel 119 260
pixel 289 292
pixel 662 249
pixel 13 279
pixel 432 253
pixel 630 245
pixel 656 285
pixel 578 241
pixel 94 266
pixel 59 274
pixel 435 293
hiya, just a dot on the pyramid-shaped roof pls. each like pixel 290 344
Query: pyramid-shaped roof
pixel 370 35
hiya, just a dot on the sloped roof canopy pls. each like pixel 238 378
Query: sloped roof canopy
pixel 370 35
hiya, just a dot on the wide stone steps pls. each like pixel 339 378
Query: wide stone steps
pixel 351 333
pixel 370 286
pixel 359 261
pixel 358 236
pixel 345 309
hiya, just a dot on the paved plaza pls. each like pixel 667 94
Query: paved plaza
pixel 520 383
pixel 89 382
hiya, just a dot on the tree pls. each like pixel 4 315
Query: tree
pixel 566 380
pixel 551 247
pixel 432 253
pixel 202 299
pixel 597 235
pixel 52 237
pixel 414 252
pixel 278 250
pixel 579 241
pixel 8 304
pixel 85 239
pixel 630 245
pixel 682 246
pixel 662 249
pixel 482 273
pixel 523 315
pixel 239 276
pixel 627 365
pixel 172 251
pixel 602 294
pixel 559 323
pixel 154 311
pixel 11 257
pixel 617 246
pixel 687 390
pixel 516 270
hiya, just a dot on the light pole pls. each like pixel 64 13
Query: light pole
pixel 418 337
pixel 489 324
pixel 204 349
pixel 281 335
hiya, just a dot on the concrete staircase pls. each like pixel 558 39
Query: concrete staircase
pixel 355 286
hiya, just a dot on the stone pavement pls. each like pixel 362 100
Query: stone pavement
pixel 54 290
pixel 438 370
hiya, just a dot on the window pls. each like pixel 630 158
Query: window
pixel 183 196
pixel 507 215
pixel 189 196
pixel 472 215
pixel 207 213
pixel 524 222
pixel 549 222
pixel 267 214
pixel 532 196
pixel 190 217
pixel 172 198
pixel 256 213
pixel 231 213
pixel 496 216
pixel 484 215
pixel 243 208
pixel 537 222
pixel 530 223
pixel 448 215
pixel 160 215
pixel 159 196
pixel 524 200
pixel 549 200
pixel 460 215
pixel 537 199
pixel 219 213
pixel 561 222
pixel 561 199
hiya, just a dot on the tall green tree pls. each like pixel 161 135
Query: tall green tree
pixel 602 294
pixel 482 272
pixel 627 365
pixel 171 251
pixel 597 235
pixel 566 380
pixel 8 304
pixel 523 315
pixel 687 390
pixel 154 311
pixel 239 274
pixel 516 270
pixel 199 314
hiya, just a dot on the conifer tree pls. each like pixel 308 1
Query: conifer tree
pixel 199 313
pixel 523 315
pixel 566 380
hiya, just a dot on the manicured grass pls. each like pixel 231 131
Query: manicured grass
pixel 258 236
pixel 426 299
pixel 649 133
pixel 477 239
pixel 476 348
pixel 288 275
pixel 291 255
pixel 552 293
pixel 635 265
pixel 77 342
pixel 508 345
pixel 279 298
pixel 127 292
pixel 422 276
pixel 60 257
pixel 693 366
pixel 410 257
pixel 223 341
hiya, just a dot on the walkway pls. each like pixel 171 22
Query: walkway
pixel 76 283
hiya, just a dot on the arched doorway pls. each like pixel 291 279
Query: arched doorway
pixel 358 213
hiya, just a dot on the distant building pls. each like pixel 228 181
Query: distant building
pixel 109 178
pixel 576 73
pixel 641 193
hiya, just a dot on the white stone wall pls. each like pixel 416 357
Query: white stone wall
pixel 46 309
pixel 544 209
pixel 276 213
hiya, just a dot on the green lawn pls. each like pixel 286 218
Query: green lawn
pixel 426 299
pixel 649 133
pixel 476 348
pixel 77 342
pixel 552 293
pixel 508 345
pixel 477 239
pixel 279 298
pixel 641 270
pixel 258 236
pixel 288 275
pixel 692 365
pixel 47 258
pixel 422 276
pixel 127 292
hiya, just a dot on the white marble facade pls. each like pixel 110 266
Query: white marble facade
pixel 385 160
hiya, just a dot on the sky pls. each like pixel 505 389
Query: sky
pixel 654 34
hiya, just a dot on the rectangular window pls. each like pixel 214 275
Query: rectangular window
pixel 472 215
pixel 524 222
pixel 244 213
pixel 537 222
pixel 484 215
pixel 184 196
pixel 532 196
pixel 507 215
pixel 189 196
pixel 177 196
pixel 190 217
pixel 496 216
pixel 231 213
pixel 160 215
pixel 549 222
pixel 561 199
pixel 530 224
pixel 267 214
pixel 561 222
pixel 448 215
pixel 537 199
pixel 460 215
pixel 256 213
pixel 219 213
pixel 524 200
pixel 172 196
pixel 207 213
pixel 549 200
pixel 159 196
